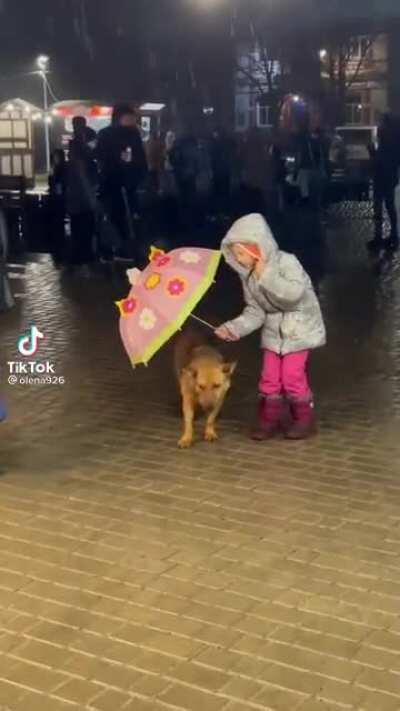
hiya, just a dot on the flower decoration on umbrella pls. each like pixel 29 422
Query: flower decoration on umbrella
pixel 147 319
pixel 152 281
pixel 127 306
pixel 162 297
pixel 176 287
pixel 162 261
pixel 155 253
pixel 158 257
pixel 189 256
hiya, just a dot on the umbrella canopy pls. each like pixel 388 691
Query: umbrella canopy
pixel 163 297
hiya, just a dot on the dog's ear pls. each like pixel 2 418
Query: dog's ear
pixel 229 368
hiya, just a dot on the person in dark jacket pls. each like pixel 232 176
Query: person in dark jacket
pixel 81 197
pixel 221 154
pixel 312 167
pixel 123 166
pixel 57 207
pixel 278 175
pixel 385 160
pixel 184 158
pixel 155 153
pixel 83 143
pixel 83 134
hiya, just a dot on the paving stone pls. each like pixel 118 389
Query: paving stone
pixel 227 578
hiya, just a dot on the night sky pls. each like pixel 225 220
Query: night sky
pixel 141 49
pixel 112 49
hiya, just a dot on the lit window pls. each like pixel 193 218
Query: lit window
pixel 263 116
pixel 359 110
pixel 360 48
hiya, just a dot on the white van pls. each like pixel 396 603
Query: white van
pixel 356 140
pixel 351 177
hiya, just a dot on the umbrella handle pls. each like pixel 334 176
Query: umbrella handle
pixel 205 323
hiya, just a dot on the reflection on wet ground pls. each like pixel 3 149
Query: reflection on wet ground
pixel 359 296
pixel 233 577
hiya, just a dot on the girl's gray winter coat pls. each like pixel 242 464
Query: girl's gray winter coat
pixel 282 301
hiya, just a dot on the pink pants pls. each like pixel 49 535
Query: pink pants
pixel 285 375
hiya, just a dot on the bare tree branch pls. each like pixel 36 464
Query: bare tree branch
pixel 256 83
pixel 360 63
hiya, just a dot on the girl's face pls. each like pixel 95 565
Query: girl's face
pixel 243 257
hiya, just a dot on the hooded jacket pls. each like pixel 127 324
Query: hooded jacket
pixel 281 301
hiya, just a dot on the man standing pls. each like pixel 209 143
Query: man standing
pixel 155 153
pixel 123 166
pixel 385 159
pixel 83 135
pixel 312 167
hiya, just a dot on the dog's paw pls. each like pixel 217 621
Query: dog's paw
pixel 185 443
pixel 210 436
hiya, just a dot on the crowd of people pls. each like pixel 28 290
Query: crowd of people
pixel 99 187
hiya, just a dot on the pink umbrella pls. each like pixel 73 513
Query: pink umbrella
pixel 162 297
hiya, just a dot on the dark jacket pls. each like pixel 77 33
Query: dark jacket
pixel 385 162
pixel 113 141
pixel 81 187
pixel 311 153
pixel 221 153
pixel 184 158
pixel 58 182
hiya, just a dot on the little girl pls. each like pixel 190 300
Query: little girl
pixel 281 300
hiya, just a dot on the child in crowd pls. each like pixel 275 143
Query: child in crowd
pixel 281 301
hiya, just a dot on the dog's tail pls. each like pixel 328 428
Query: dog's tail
pixel 186 342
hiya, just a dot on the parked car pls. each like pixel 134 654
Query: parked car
pixel 357 139
pixel 351 175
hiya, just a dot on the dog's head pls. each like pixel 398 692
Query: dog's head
pixel 211 381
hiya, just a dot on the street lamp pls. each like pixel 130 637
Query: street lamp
pixel 323 53
pixel 43 65
pixel 43 62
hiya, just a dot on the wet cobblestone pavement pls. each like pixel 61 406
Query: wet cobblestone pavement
pixel 231 577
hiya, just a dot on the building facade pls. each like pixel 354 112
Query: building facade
pixel 362 64
pixel 255 75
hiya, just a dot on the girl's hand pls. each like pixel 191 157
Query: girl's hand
pixel 225 334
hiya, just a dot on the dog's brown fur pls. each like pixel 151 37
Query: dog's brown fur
pixel 204 379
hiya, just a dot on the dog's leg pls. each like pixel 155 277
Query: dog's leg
pixel 210 434
pixel 186 440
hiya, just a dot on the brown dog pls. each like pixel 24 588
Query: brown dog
pixel 204 379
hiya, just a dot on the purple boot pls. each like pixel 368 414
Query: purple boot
pixel 303 420
pixel 270 414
